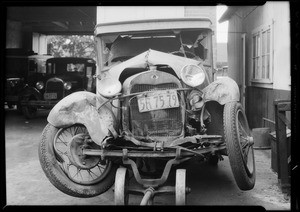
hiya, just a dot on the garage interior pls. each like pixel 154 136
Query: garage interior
pixel 27 27
pixel 26 184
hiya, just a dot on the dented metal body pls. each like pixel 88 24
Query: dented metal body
pixel 82 107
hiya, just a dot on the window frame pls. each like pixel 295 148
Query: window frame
pixel 263 82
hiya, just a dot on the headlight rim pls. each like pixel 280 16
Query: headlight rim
pixel 188 83
pixel 40 85
pixel 67 85
pixel 109 91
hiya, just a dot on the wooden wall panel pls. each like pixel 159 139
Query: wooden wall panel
pixel 260 105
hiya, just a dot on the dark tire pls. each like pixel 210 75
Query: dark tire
pixel 213 160
pixel 29 112
pixel 239 143
pixel 19 108
pixel 54 163
pixel 10 105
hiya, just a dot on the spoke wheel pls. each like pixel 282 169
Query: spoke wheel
pixel 239 142
pixel 121 185
pixel 85 170
pixel 180 187
pixel 60 154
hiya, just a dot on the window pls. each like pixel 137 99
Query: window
pixel 261 55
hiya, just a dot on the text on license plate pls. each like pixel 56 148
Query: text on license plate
pixel 50 95
pixel 158 100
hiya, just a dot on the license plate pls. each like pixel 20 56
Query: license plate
pixel 50 95
pixel 158 100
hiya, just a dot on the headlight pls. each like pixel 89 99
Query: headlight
pixel 39 85
pixel 67 85
pixel 192 75
pixel 109 87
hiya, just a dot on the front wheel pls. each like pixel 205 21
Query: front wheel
pixel 239 143
pixel 29 111
pixel 10 105
pixel 67 169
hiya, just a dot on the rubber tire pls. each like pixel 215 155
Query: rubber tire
pixel 19 108
pixel 244 180
pixel 10 105
pixel 213 160
pixel 26 110
pixel 59 179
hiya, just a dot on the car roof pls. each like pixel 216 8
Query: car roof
pixel 153 24
pixel 69 59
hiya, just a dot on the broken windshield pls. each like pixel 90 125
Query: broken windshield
pixel 193 44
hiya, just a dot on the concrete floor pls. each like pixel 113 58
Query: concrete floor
pixel 26 184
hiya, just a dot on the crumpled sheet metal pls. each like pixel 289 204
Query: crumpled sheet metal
pixel 81 107
pixel 222 90
pixel 153 57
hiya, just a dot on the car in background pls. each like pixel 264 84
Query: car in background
pixel 17 66
pixel 59 77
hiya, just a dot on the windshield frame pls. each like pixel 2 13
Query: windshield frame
pixel 102 41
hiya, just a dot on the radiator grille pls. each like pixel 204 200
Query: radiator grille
pixel 158 123
pixel 55 87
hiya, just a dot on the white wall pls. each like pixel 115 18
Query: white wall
pixel 126 13
pixel 282 46
pixel 39 43
pixel 234 48
pixel 278 14
pixel 246 20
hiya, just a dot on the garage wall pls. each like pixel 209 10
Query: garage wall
pixel 234 46
pixel 260 105
pixel 259 99
pixel 278 14
pixel 13 34
pixel 39 43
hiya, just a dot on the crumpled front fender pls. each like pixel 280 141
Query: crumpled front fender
pixel 81 107
pixel 222 90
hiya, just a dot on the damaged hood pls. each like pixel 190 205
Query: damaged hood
pixel 152 57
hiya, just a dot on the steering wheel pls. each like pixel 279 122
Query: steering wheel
pixel 187 53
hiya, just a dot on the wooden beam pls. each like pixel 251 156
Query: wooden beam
pixel 60 24
pixel 282 147
pixel 284 106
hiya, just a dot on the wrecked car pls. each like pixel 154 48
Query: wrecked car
pixel 155 107
pixel 51 79
pixel 18 65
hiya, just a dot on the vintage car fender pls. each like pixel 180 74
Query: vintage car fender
pixel 81 107
pixel 30 91
pixel 222 90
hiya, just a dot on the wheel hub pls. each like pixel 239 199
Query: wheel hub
pixel 250 140
pixel 75 152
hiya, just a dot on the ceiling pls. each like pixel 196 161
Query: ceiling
pixel 55 20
